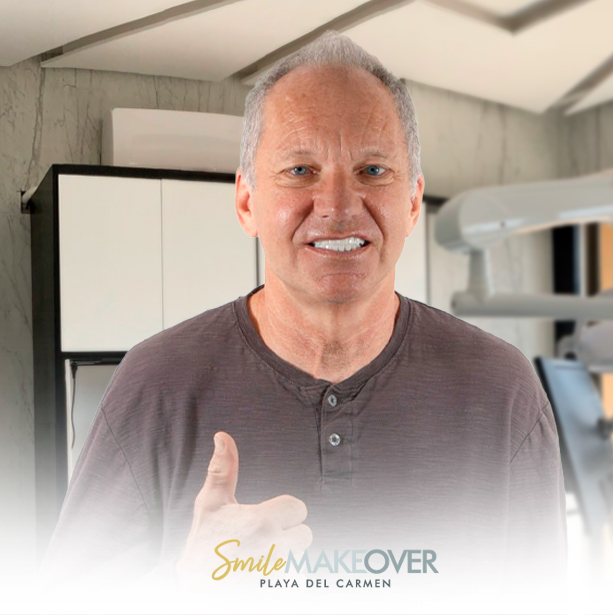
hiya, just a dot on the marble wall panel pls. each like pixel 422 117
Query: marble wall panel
pixel 469 143
pixel 46 117
pixel 605 136
pixel 16 396
pixel 587 142
pixel 580 144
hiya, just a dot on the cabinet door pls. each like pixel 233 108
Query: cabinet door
pixel 208 260
pixel 110 261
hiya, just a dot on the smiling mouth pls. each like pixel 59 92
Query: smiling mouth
pixel 348 244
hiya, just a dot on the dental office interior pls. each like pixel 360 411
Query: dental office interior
pixel 103 103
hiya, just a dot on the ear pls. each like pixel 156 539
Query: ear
pixel 244 205
pixel 416 200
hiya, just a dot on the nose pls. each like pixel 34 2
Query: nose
pixel 337 197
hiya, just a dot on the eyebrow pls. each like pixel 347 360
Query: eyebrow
pixel 367 153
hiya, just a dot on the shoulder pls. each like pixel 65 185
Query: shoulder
pixel 456 341
pixel 169 362
pixel 477 364
pixel 189 336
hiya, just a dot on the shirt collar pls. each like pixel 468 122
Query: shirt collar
pixel 301 378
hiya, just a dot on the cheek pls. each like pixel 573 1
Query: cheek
pixel 390 216
pixel 282 217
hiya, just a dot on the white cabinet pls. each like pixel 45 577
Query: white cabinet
pixel 208 260
pixel 110 261
pixel 139 255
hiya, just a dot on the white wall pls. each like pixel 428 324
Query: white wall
pixel 54 116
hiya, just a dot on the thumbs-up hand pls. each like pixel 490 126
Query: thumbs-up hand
pixel 218 517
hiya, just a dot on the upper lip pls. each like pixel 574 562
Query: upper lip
pixel 325 237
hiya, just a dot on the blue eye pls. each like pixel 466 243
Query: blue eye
pixel 374 167
pixel 305 169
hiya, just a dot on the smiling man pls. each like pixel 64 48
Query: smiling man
pixel 336 197
pixel 395 424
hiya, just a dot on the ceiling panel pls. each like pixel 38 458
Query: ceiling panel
pixel 35 26
pixel 212 45
pixel 530 70
pixel 502 8
pixel 600 94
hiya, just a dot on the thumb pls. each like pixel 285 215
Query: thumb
pixel 222 475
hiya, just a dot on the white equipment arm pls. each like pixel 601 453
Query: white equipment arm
pixel 481 218
pixel 474 221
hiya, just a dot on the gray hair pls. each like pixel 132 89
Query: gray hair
pixel 331 48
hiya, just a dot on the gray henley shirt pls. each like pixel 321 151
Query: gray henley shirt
pixel 445 441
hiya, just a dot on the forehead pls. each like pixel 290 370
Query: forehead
pixel 346 101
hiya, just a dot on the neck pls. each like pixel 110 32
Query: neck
pixel 328 341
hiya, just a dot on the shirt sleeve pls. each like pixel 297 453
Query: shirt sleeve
pixel 105 530
pixel 536 536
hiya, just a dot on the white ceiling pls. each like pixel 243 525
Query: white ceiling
pixel 502 8
pixel 210 46
pixel 600 94
pixel 531 54
pixel 532 69
pixel 30 27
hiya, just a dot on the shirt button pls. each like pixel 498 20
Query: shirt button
pixel 334 439
pixel 332 400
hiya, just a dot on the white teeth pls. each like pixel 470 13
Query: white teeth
pixel 340 245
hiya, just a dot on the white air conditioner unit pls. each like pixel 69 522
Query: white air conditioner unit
pixel 161 139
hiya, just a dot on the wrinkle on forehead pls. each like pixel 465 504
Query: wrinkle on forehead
pixel 358 113
pixel 307 134
pixel 379 124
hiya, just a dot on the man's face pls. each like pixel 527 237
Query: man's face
pixel 332 165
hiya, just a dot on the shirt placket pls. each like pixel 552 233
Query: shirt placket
pixel 336 439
